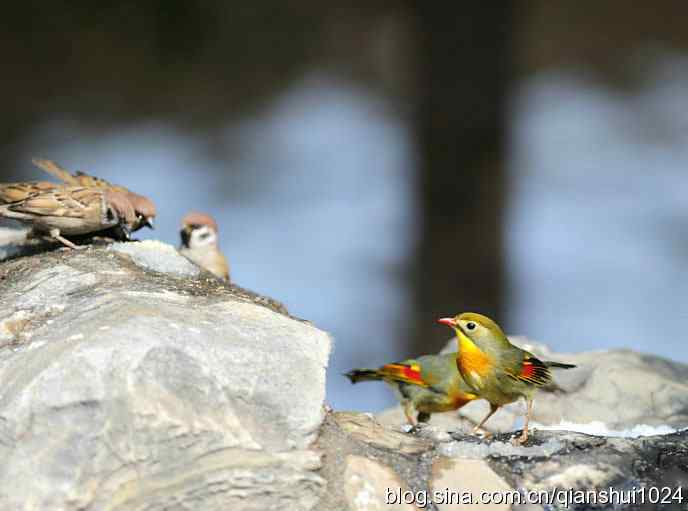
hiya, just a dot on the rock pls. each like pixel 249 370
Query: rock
pixel 130 381
pixel 586 462
pixel 474 448
pixel 126 388
pixel 620 388
pixel 347 437
pixel 11 241
pixel 454 480
pixel 16 241
pixel 370 486
pixel 553 468
pixel 157 256
pixel 365 428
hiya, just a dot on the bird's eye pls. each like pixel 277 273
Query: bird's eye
pixel 110 215
pixel 470 325
pixel 205 235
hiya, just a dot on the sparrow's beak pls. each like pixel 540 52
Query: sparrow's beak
pixel 127 232
pixel 148 222
pixel 447 321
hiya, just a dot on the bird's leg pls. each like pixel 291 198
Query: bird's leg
pixel 422 419
pixel 479 427
pixel 55 234
pixel 524 436
pixel 408 411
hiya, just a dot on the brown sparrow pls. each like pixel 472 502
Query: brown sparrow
pixel 72 210
pixel 144 207
pixel 15 192
pixel 199 244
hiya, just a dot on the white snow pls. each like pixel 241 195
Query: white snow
pixel 599 428
pixel 157 256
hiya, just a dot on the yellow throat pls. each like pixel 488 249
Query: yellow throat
pixel 471 359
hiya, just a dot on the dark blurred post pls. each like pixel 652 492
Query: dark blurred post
pixel 464 72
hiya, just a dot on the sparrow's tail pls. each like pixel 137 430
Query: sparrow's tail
pixel 356 375
pixel 559 365
pixel 55 170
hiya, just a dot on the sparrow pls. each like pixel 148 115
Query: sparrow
pixel 144 207
pixel 15 192
pixel 495 369
pixel 199 244
pixel 426 385
pixel 71 210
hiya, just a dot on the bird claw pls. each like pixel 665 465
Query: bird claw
pixel 518 441
pixel 482 434
pixel 416 428
pixel 408 428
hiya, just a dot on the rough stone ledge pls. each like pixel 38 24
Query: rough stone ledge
pixel 128 384
pixel 433 459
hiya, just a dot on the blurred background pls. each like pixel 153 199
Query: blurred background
pixel 377 166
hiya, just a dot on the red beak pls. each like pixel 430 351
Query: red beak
pixel 447 321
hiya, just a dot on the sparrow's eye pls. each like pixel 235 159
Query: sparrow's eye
pixel 110 215
pixel 204 235
pixel 470 325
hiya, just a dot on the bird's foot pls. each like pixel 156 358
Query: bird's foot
pixel 520 440
pixel 417 428
pixel 408 428
pixel 482 433
pixel 55 234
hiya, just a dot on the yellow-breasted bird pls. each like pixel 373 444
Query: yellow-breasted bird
pixel 426 385
pixel 495 369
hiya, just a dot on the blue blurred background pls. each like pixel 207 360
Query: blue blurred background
pixel 377 167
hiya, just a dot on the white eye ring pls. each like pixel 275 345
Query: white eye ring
pixel 470 325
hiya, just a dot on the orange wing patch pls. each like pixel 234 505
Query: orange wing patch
pixel 403 373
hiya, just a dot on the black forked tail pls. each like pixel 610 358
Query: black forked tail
pixel 356 375
pixel 560 365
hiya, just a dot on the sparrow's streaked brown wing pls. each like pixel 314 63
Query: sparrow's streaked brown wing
pixel 15 192
pixel 74 202
pixel 84 179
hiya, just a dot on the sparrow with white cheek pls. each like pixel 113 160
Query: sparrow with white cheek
pixel 72 210
pixel 144 207
pixel 199 244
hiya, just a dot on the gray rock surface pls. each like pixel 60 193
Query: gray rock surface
pixel 157 256
pixel 130 381
pixel 620 388
pixel 584 462
pixel 346 437
pixel 552 467
pixel 130 389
